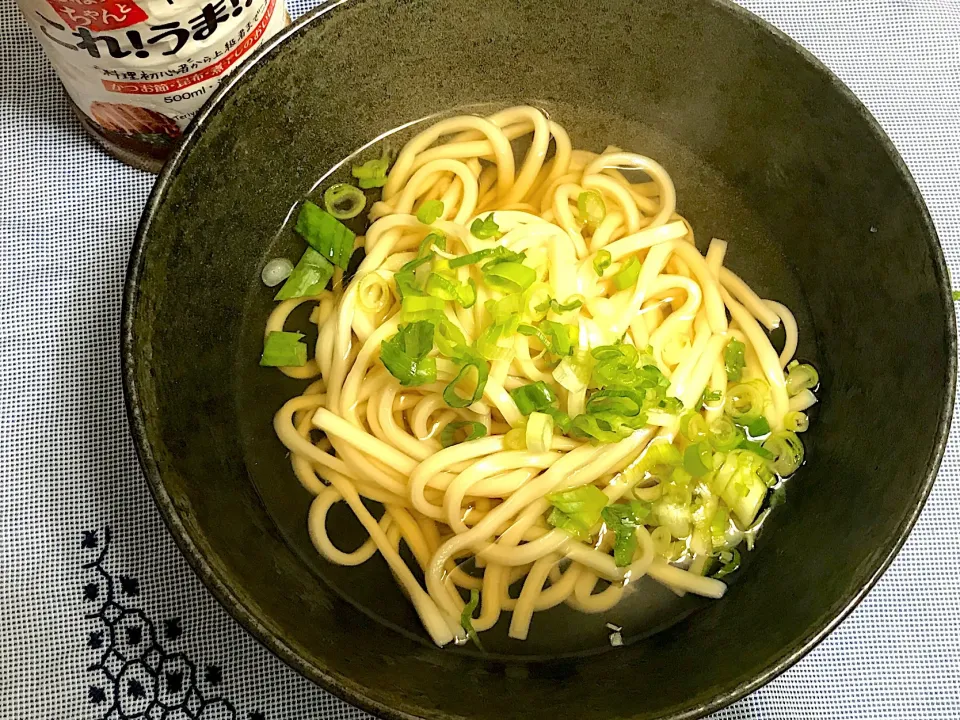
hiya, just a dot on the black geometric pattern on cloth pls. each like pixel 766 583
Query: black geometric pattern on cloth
pixel 135 675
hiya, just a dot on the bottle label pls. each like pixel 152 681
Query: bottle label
pixel 139 71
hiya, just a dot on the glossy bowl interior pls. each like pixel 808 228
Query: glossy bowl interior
pixel 768 150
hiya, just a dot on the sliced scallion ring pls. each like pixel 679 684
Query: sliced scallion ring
pixel 344 201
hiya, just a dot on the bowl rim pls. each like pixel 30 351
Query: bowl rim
pixel 357 696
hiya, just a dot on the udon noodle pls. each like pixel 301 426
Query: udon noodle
pixel 586 371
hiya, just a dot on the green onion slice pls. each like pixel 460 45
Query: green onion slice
pixel 485 229
pixel 627 275
pixel 405 354
pixel 758 427
pixel 710 396
pixel 602 261
pixel 787 452
pixel 450 340
pixel 499 252
pixel 284 349
pixel 533 397
pixel 448 436
pixel 796 421
pixel 466 618
pixel 744 403
pixel 591 208
pixel 496 341
pixel 698 459
pixel 729 565
pixel 733 359
pixel 578 510
pixel 430 211
pixel 724 434
pixel 445 288
pixel 800 378
pixel 557 338
pixel 694 427
pixel 325 234
pixel 344 201
pixel 539 432
pixel 624 519
pixel 309 277
pixel 468 360
pixel 421 307
pixel 512 276
pixel 372 173
pixel 434 239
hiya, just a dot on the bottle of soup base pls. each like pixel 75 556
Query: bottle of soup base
pixel 137 71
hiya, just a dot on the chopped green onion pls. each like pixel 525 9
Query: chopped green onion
pixel 512 276
pixel 372 173
pixel 578 510
pixel 560 419
pixel 406 277
pixel 742 483
pixel 485 229
pixel 557 338
pixel 466 618
pixel 627 275
pixel 421 307
pixel 602 261
pixel 430 211
pixel 787 451
pixel 533 397
pixel 499 252
pixel 539 433
pixel 591 208
pixel 448 436
pixel 796 421
pixel 698 459
pixel 623 520
pixel 733 359
pixel 800 378
pixel 744 403
pixel 450 340
pixel 432 240
pixel 308 278
pixel 283 349
pixel 724 434
pixel 558 307
pixel 729 566
pixel 468 360
pixel 956 294
pixel 344 201
pixel 440 286
pixel 496 341
pixel 758 427
pixel 718 528
pixel 506 308
pixel 756 448
pixel 573 372
pixel 710 396
pixel 325 234
pixel 405 354
pixel 600 429
pixel 694 427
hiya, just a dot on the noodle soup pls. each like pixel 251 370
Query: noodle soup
pixel 526 383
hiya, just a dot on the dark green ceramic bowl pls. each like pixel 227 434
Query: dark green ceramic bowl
pixel 769 151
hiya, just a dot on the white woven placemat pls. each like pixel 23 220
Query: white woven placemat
pixel 78 523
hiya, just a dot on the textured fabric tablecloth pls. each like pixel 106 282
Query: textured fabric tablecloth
pixel 78 525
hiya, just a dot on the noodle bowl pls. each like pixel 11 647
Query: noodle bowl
pixel 546 386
